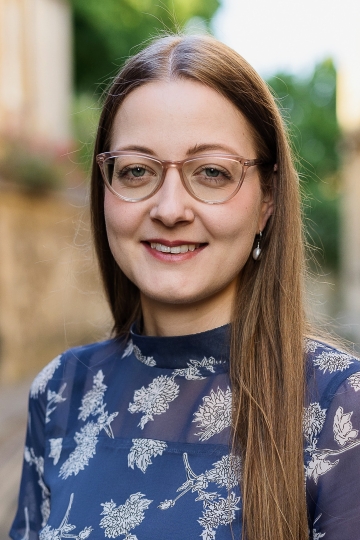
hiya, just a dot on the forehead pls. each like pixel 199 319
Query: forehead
pixel 172 116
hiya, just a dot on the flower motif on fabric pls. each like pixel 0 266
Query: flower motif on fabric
pixel 93 401
pixel 86 439
pixel 39 383
pixel 120 520
pixel 38 463
pixel 354 381
pixel 313 421
pixel 310 346
pixel 196 367
pixel 143 450
pixel 317 535
pixel 55 449
pixel 343 431
pixel 147 360
pixel 217 510
pixel 214 414
pixel 128 350
pixel 27 525
pixel 344 436
pixel 53 398
pixel 154 399
pixel 65 529
pixel 332 361
pixel 221 512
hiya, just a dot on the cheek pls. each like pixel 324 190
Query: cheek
pixel 118 219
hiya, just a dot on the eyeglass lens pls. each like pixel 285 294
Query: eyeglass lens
pixel 208 178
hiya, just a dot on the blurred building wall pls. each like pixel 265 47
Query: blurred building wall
pixel 50 297
pixel 348 110
pixel 35 70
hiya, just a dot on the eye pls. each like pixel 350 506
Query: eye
pixel 137 171
pixel 212 172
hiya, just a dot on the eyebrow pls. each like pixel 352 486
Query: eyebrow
pixel 196 149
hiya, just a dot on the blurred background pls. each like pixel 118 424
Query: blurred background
pixel 56 58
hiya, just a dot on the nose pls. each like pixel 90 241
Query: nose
pixel 172 204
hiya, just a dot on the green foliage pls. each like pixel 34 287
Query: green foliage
pixel 308 106
pixel 34 172
pixel 107 32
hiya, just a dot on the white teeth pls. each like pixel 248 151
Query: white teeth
pixel 184 248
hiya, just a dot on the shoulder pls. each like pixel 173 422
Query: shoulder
pixel 73 362
pixel 328 368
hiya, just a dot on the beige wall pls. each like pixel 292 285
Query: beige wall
pixel 35 70
pixel 50 296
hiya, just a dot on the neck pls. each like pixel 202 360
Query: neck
pixel 183 319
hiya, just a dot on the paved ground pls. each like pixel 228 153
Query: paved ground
pixel 13 408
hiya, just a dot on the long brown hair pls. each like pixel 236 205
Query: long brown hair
pixel 268 326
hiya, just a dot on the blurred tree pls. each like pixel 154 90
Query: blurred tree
pixel 106 32
pixel 308 106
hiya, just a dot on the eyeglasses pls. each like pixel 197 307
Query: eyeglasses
pixel 212 179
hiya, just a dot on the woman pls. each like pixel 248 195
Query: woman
pixel 189 423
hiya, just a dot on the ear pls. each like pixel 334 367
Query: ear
pixel 267 208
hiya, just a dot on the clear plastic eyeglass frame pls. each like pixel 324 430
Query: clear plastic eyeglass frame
pixel 179 165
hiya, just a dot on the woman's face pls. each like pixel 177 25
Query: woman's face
pixel 173 121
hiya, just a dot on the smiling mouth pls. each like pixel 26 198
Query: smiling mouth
pixel 182 248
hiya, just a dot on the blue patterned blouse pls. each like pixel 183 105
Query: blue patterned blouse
pixel 131 441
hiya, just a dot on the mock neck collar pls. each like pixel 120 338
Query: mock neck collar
pixel 176 351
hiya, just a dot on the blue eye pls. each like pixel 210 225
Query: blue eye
pixel 138 171
pixel 212 172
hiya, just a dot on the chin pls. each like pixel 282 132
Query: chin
pixel 174 297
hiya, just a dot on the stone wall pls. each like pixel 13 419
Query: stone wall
pixel 50 296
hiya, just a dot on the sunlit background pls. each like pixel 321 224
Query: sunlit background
pixel 56 57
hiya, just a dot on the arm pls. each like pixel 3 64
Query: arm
pixel 34 497
pixel 333 473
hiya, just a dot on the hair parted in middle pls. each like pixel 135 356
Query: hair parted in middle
pixel 268 325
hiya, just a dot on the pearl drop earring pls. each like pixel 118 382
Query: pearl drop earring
pixel 257 251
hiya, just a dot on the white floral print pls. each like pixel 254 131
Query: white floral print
pixel 120 520
pixel 217 510
pixel 343 431
pixel 317 535
pixel 27 525
pixel 39 383
pixel 354 381
pixel 193 371
pixel 86 439
pixel 310 346
pixel 55 449
pixel 53 398
pixel 143 450
pixel 93 401
pixel 38 463
pixel 332 361
pixel 154 399
pixel 65 529
pixel 147 360
pixel 220 512
pixel 214 414
pixel 313 421
pixel 129 349
pixel 344 436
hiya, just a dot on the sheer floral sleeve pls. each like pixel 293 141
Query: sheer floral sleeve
pixel 34 498
pixel 332 433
